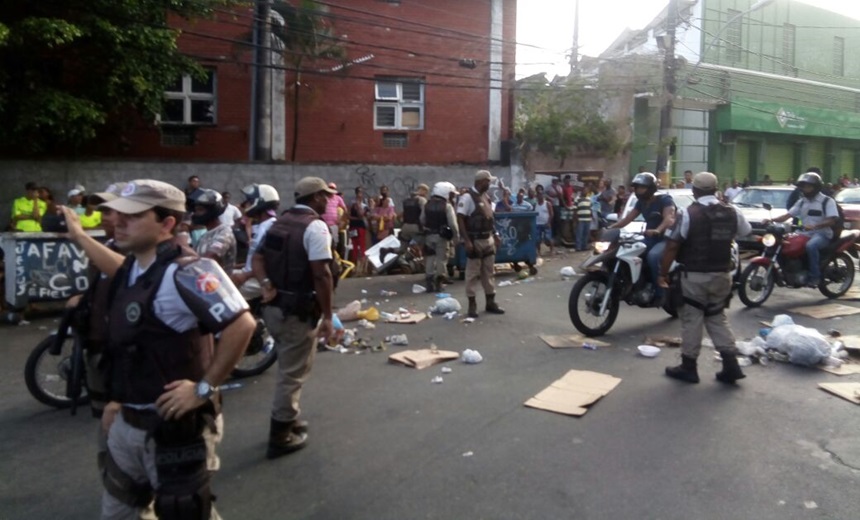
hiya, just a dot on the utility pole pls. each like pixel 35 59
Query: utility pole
pixel 263 123
pixel 574 55
pixel 669 88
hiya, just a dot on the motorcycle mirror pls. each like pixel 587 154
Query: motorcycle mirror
pixel 767 206
pixel 612 217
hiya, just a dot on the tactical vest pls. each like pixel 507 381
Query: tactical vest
pixel 708 246
pixel 411 211
pixel 435 215
pixel 144 353
pixel 287 263
pixel 480 223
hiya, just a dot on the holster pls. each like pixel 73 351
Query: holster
pixel 676 291
pixel 302 305
pixel 180 461
pixel 482 250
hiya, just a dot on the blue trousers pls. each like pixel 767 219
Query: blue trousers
pixel 653 258
pixel 583 228
pixel 817 242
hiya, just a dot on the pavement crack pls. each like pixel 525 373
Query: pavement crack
pixel 836 458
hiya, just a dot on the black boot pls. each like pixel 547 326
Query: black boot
pixel 286 437
pixel 731 371
pixel 492 306
pixel 430 282
pixel 473 308
pixel 686 371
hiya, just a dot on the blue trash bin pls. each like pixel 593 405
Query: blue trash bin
pixel 518 234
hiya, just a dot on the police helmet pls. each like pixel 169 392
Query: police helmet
pixel 646 180
pixel 443 189
pixel 260 198
pixel 211 201
pixel 811 178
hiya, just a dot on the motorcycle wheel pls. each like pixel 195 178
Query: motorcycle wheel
pixel 47 375
pixel 259 356
pixel 837 276
pixel 755 285
pixel 584 304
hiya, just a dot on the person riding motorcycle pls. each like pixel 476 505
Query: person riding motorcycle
pixel 817 213
pixel 218 242
pixel 659 214
pixel 261 210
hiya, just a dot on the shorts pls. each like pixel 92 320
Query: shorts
pixel 544 232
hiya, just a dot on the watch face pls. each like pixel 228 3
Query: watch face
pixel 203 389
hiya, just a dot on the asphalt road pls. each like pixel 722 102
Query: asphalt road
pixel 385 443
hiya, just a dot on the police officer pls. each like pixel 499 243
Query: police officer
pixel 219 242
pixel 701 240
pixel 817 213
pixel 411 217
pixel 161 368
pixel 292 266
pixel 261 210
pixel 440 225
pixel 475 216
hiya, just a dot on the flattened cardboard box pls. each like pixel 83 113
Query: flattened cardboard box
pixel 571 341
pixel 829 310
pixel 422 358
pixel 573 392
pixel 847 391
pixel 412 319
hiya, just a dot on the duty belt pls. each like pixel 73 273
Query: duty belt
pixel 141 419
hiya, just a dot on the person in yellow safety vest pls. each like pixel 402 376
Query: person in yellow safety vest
pixel 27 211
pixel 91 218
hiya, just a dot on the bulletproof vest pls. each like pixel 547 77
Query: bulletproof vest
pixel 287 263
pixel 144 353
pixel 435 214
pixel 411 211
pixel 97 296
pixel 708 246
pixel 481 220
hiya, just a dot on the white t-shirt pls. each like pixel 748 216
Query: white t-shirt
pixel 230 215
pixel 466 204
pixel 542 212
pixel 317 239
pixel 168 305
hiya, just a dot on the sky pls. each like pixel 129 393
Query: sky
pixel 548 25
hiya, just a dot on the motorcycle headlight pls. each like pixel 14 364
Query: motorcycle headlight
pixel 601 247
pixel 768 240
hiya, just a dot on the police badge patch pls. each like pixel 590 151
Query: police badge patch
pixel 132 312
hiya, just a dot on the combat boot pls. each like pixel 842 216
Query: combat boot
pixel 492 306
pixel 731 371
pixel 686 371
pixel 430 283
pixel 473 308
pixel 285 438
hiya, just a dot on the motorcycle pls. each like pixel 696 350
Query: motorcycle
pixel 783 263
pixel 615 274
pixel 55 372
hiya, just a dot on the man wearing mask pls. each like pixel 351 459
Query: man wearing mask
pixel 292 267
pixel 701 240
pixel 659 214
pixel 817 212
pixel 475 218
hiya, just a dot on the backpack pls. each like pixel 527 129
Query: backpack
pixel 839 225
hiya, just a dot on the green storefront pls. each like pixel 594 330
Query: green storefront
pixel 755 138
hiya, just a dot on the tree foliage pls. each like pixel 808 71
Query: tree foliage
pixel 67 66
pixel 561 119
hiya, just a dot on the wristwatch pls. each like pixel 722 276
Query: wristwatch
pixel 204 390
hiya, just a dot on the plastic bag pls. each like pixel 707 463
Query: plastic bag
pixel 370 314
pixel 781 319
pixel 350 311
pixel 803 345
pixel 445 305
pixel 567 272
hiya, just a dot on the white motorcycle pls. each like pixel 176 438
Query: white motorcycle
pixel 615 274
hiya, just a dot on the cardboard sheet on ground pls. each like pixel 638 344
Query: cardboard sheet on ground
pixel 828 310
pixel 852 343
pixel 571 341
pixel 415 317
pixel 850 366
pixel 422 358
pixel 847 391
pixel 572 393
pixel 663 341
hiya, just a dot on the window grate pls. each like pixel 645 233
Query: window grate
pixel 178 136
pixel 395 140
pixel 788 45
pixel 734 36
pixel 838 56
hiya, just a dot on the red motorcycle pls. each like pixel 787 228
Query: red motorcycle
pixel 783 262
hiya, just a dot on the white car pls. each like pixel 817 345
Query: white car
pixel 682 198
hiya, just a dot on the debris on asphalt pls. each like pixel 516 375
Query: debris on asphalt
pixel 451 315
pixel 847 391
pixel 567 272
pixel 471 357
pixel 468 320
pixel 387 293
pixel 447 370
pixel 828 310
pixel 446 305
pixel 571 341
pixel 418 289
pixel 468 453
pixel 505 283
pixel 407 318
pixel 364 324
pixel 437 380
pixel 423 358
pixel 663 341
pixel 573 392
pixel 397 339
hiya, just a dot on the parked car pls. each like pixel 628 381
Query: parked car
pixel 750 202
pixel 849 199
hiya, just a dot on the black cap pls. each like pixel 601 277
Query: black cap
pixel 31 186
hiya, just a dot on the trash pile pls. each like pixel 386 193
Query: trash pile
pixel 788 342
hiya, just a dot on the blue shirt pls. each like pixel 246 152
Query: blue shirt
pixel 653 214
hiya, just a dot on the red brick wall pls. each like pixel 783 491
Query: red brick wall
pixel 336 109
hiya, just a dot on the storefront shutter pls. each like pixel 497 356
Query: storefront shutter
pixel 742 160
pixel 846 163
pixel 815 154
pixel 779 162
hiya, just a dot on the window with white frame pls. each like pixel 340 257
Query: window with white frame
pixel 399 104
pixel 190 101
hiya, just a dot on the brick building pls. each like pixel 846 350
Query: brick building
pixel 426 82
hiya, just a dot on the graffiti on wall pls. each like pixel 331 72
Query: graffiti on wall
pixel 48 270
